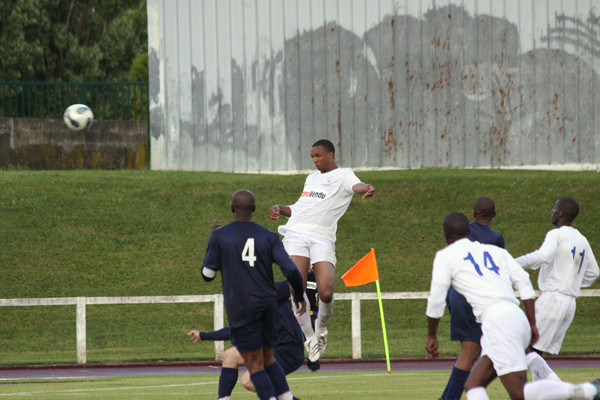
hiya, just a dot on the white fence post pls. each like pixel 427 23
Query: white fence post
pixel 219 317
pixel 81 331
pixel 356 336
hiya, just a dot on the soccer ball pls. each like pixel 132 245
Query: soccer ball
pixel 78 117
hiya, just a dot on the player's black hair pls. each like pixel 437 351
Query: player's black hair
pixel 456 225
pixel 326 144
pixel 569 207
pixel 484 207
pixel 244 200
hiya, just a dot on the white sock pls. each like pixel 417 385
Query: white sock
pixel 325 313
pixel 285 396
pixel 304 320
pixel 477 393
pixel 545 389
pixel 539 368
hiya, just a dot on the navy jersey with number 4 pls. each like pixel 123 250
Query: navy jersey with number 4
pixel 244 252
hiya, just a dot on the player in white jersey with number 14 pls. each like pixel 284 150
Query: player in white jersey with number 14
pixel 486 275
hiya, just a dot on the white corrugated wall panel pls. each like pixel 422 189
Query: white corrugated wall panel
pixel 249 85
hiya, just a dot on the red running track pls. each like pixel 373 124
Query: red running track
pixel 104 370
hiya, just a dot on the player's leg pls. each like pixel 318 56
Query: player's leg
pixel 545 389
pixel 250 340
pixel 303 264
pixel 464 328
pixel 460 372
pixel 325 278
pixel 539 367
pixel 514 382
pixel 254 362
pixel 482 374
pixel 232 360
pixel 311 342
pixel 290 356
pixel 277 375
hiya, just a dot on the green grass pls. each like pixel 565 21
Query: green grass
pixel 144 233
pixel 405 385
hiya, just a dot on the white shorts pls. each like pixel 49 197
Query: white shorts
pixel 506 335
pixel 554 313
pixel 313 247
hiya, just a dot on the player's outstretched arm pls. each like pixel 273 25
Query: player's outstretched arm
pixel 367 190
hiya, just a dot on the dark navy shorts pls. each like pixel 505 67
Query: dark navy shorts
pixel 290 356
pixel 261 332
pixel 463 325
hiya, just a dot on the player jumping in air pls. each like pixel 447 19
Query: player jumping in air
pixel 309 234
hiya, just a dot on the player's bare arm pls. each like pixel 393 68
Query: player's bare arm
pixel 277 210
pixel 432 343
pixel 215 225
pixel 365 189
pixel 529 306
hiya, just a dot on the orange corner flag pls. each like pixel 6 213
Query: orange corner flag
pixel 363 272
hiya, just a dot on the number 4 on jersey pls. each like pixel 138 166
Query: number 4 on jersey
pixel 248 252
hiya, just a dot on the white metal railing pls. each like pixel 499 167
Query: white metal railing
pixel 219 316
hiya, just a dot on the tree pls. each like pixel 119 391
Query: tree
pixel 70 40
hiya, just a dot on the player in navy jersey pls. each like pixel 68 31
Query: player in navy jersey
pixel 289 350
pixel 244 252
pixel 463 325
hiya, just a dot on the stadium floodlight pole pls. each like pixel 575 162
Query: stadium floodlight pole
pixel 363 272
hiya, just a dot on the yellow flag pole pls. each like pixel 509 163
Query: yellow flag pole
pixel 385 342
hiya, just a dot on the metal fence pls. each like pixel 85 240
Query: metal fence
pixel 109 100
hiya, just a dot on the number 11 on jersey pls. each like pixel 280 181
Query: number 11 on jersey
pixel 248 252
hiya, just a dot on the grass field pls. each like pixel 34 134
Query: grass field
pixel 405 385
pixel 144 233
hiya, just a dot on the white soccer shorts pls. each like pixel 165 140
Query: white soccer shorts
pixel 506 335
pixel 554 313
pixel 313 247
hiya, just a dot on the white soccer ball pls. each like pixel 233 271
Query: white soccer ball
pixel 78 117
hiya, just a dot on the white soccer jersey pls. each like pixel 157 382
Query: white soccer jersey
pixel 325 198
pixel 566 260
pixel 484 274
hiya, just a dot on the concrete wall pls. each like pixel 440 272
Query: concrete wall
pixel 249 85
pixel 49 144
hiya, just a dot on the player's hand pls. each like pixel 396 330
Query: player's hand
pixel 274 212
pixel 215 225
pixel 432 347
pixel 300 307
pixel 370 192
pixel 194 336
